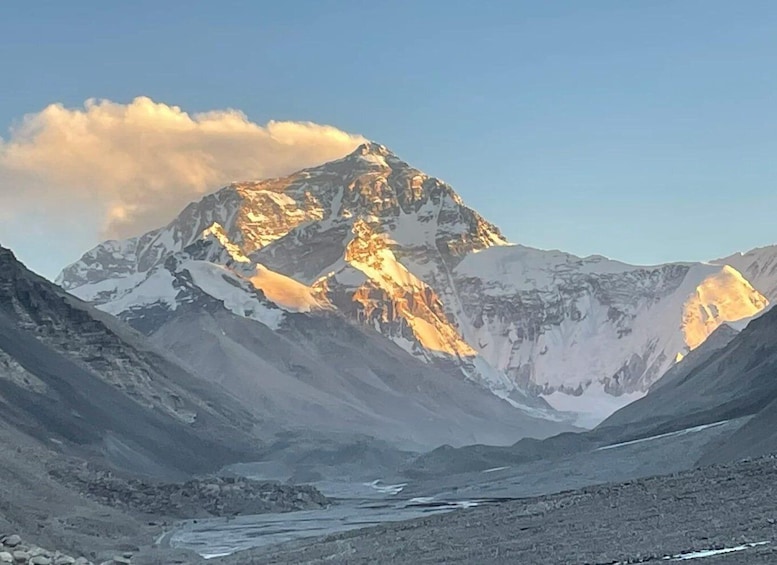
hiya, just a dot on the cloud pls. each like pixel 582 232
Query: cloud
pixel 128 168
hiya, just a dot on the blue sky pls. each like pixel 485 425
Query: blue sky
pixel 645 131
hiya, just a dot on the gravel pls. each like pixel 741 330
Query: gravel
pixel 640 521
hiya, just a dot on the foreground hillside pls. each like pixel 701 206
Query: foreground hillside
pixel 99 429
pixel 71 376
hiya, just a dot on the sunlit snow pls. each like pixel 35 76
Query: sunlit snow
pixel 212 279
pixel 286 292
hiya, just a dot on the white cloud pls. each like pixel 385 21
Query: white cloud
pixel 127 168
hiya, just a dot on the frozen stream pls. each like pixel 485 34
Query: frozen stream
pixel 362 504
pixel 357 506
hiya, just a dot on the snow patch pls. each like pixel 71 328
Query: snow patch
pixel 156 288
pixel 723 296
pixel 712 552
pixel 217 231
pixel 287 292
pixel 593 406
pixel 374 159
pixel 113 288
pixel 660 436
pixel 222 284
pixel 386 489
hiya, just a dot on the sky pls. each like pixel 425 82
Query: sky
pixel 643 131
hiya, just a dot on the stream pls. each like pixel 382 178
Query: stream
pixel 354 506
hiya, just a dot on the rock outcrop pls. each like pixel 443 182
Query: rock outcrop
pixel 14 550
pixel 195 498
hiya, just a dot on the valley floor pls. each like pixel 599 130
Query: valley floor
pixel 648 520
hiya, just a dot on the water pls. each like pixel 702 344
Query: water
pixel 357 505
pixel 360 504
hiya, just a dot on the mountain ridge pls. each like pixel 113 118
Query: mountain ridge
pixel 72 373
pixel 397 250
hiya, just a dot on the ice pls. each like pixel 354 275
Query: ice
pixel 668 434
pixel 386 489
pixel 593 406
pixel 712 552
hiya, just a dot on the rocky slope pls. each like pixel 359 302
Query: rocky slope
pixel 732 376
pixel 195 498
pixel 320 372
pixel 73 375
pixel 380 242
pixel 731 380
pixel 97 427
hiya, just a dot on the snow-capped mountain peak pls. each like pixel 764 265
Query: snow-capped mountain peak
pixel 759 266
pixel 398 251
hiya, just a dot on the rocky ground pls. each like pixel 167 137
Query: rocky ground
pixel 642 521
pixel 17 551
pixel 14 550
pixel 83 510
pixel 123 516
pixel 196 498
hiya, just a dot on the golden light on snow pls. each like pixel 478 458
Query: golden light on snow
pixel 287 292
pixel 412 299
pixel 724 296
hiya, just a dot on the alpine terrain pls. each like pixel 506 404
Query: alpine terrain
pixel 283 263
pixel 97 426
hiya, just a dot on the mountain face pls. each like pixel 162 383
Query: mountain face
pixel 759 266
pixel 730 377
pixel 74 377
pixel 374 240
pixel 556 322
pixel 324 373
pixel 368 235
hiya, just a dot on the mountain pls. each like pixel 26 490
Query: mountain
pixel 732 377
pixel 583 330
pixel 372 239
pixel 727 379
pixel 75 377
pixel 321 372
pixel 97 428
pixel 297 363
pixel 759 266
